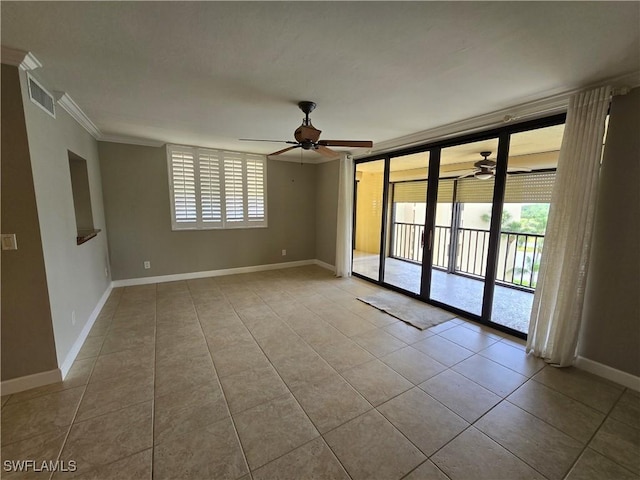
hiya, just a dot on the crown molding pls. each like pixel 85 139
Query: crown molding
pixel 30 62
pixel 19 58
pixel 72 108
pixel 550 105
pixel 144 142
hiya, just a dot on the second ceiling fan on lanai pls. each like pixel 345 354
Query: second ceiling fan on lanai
pixel 308 137
pixel 485 169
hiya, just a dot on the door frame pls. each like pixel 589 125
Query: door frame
pixel 434 148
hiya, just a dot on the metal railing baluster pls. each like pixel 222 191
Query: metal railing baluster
pixel 472 251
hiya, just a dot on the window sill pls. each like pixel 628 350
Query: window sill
pixel 86 235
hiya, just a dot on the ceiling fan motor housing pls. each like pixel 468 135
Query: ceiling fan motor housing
pixel 307 133
pixel 485 163
pixel 308 137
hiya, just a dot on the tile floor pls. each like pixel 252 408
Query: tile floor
pixel 511 307
pixel 284 374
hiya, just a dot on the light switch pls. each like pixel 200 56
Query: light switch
pixel 9 241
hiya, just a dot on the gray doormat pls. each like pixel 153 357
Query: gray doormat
pixel 407 309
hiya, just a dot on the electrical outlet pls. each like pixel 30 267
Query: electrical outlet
pixel 9 241
pixel 106 272
pixel 73 318
pixel 147 265
pixel 284 253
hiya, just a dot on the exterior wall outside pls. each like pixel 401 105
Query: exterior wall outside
pixel 136 197
pixel 28 345
pixel 369 212
pixel 77 275
pixel 611 323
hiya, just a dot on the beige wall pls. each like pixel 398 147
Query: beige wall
pixel 77 275
pixel 136 196
pixel 611 327
pixel 27 334
pixel 327 176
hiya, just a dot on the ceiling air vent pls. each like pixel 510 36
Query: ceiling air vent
pixel 40 96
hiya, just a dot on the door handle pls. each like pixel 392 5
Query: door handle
pixel 430 240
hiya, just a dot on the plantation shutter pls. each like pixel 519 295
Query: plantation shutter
pixel 183 186
pixel 210 187
pixel 256 189
pixel 233 188
pixel 216 189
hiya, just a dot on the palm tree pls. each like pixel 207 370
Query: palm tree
pixel 531 268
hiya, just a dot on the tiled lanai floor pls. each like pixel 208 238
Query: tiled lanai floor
pixel 511 307
pixel 284 374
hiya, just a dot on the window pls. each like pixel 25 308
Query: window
pixel 216 189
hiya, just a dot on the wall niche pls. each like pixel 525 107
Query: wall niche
pixel 81 198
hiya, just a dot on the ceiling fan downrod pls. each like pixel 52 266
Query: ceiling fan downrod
pixel 307 108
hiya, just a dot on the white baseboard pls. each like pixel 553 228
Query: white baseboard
pixel 210 273
pixel 326 265
pixel 610 373
pixel 27 382
pixel 77 345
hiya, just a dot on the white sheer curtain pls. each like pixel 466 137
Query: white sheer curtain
pixel 559 297
pixel 345 216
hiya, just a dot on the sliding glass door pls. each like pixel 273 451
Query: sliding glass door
pixel 460 223
pixel 406 221
pixel 368 211
pixel 533 157
pixel 462 227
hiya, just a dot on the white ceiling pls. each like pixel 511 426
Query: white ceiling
pixel 209 73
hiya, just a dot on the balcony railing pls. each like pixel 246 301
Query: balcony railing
pixel 519 254
pixel 408 241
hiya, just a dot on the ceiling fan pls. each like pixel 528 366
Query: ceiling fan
pixel 485 169
pixel 308 137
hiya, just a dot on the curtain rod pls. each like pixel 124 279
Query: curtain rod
pixel 510 118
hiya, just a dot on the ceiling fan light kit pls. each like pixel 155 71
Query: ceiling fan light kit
pixel 483 175
pixel 308 137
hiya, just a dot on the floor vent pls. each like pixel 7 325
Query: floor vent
pixel 41 97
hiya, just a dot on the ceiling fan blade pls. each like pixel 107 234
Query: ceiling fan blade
pixel 283 150
pixel 326 152
pixel 273 141
pixel 518 169
pixel 469 174
pixel 347 143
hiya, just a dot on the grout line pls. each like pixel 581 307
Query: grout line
pixel 321 435
pixel 428 460
pixel 548 366
pixel 506 399
pixel 290 391
pixel 595 432
pixel 373 407
pixel 224 396
pixel 529 378
pixel 155 368
pixel 75 414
